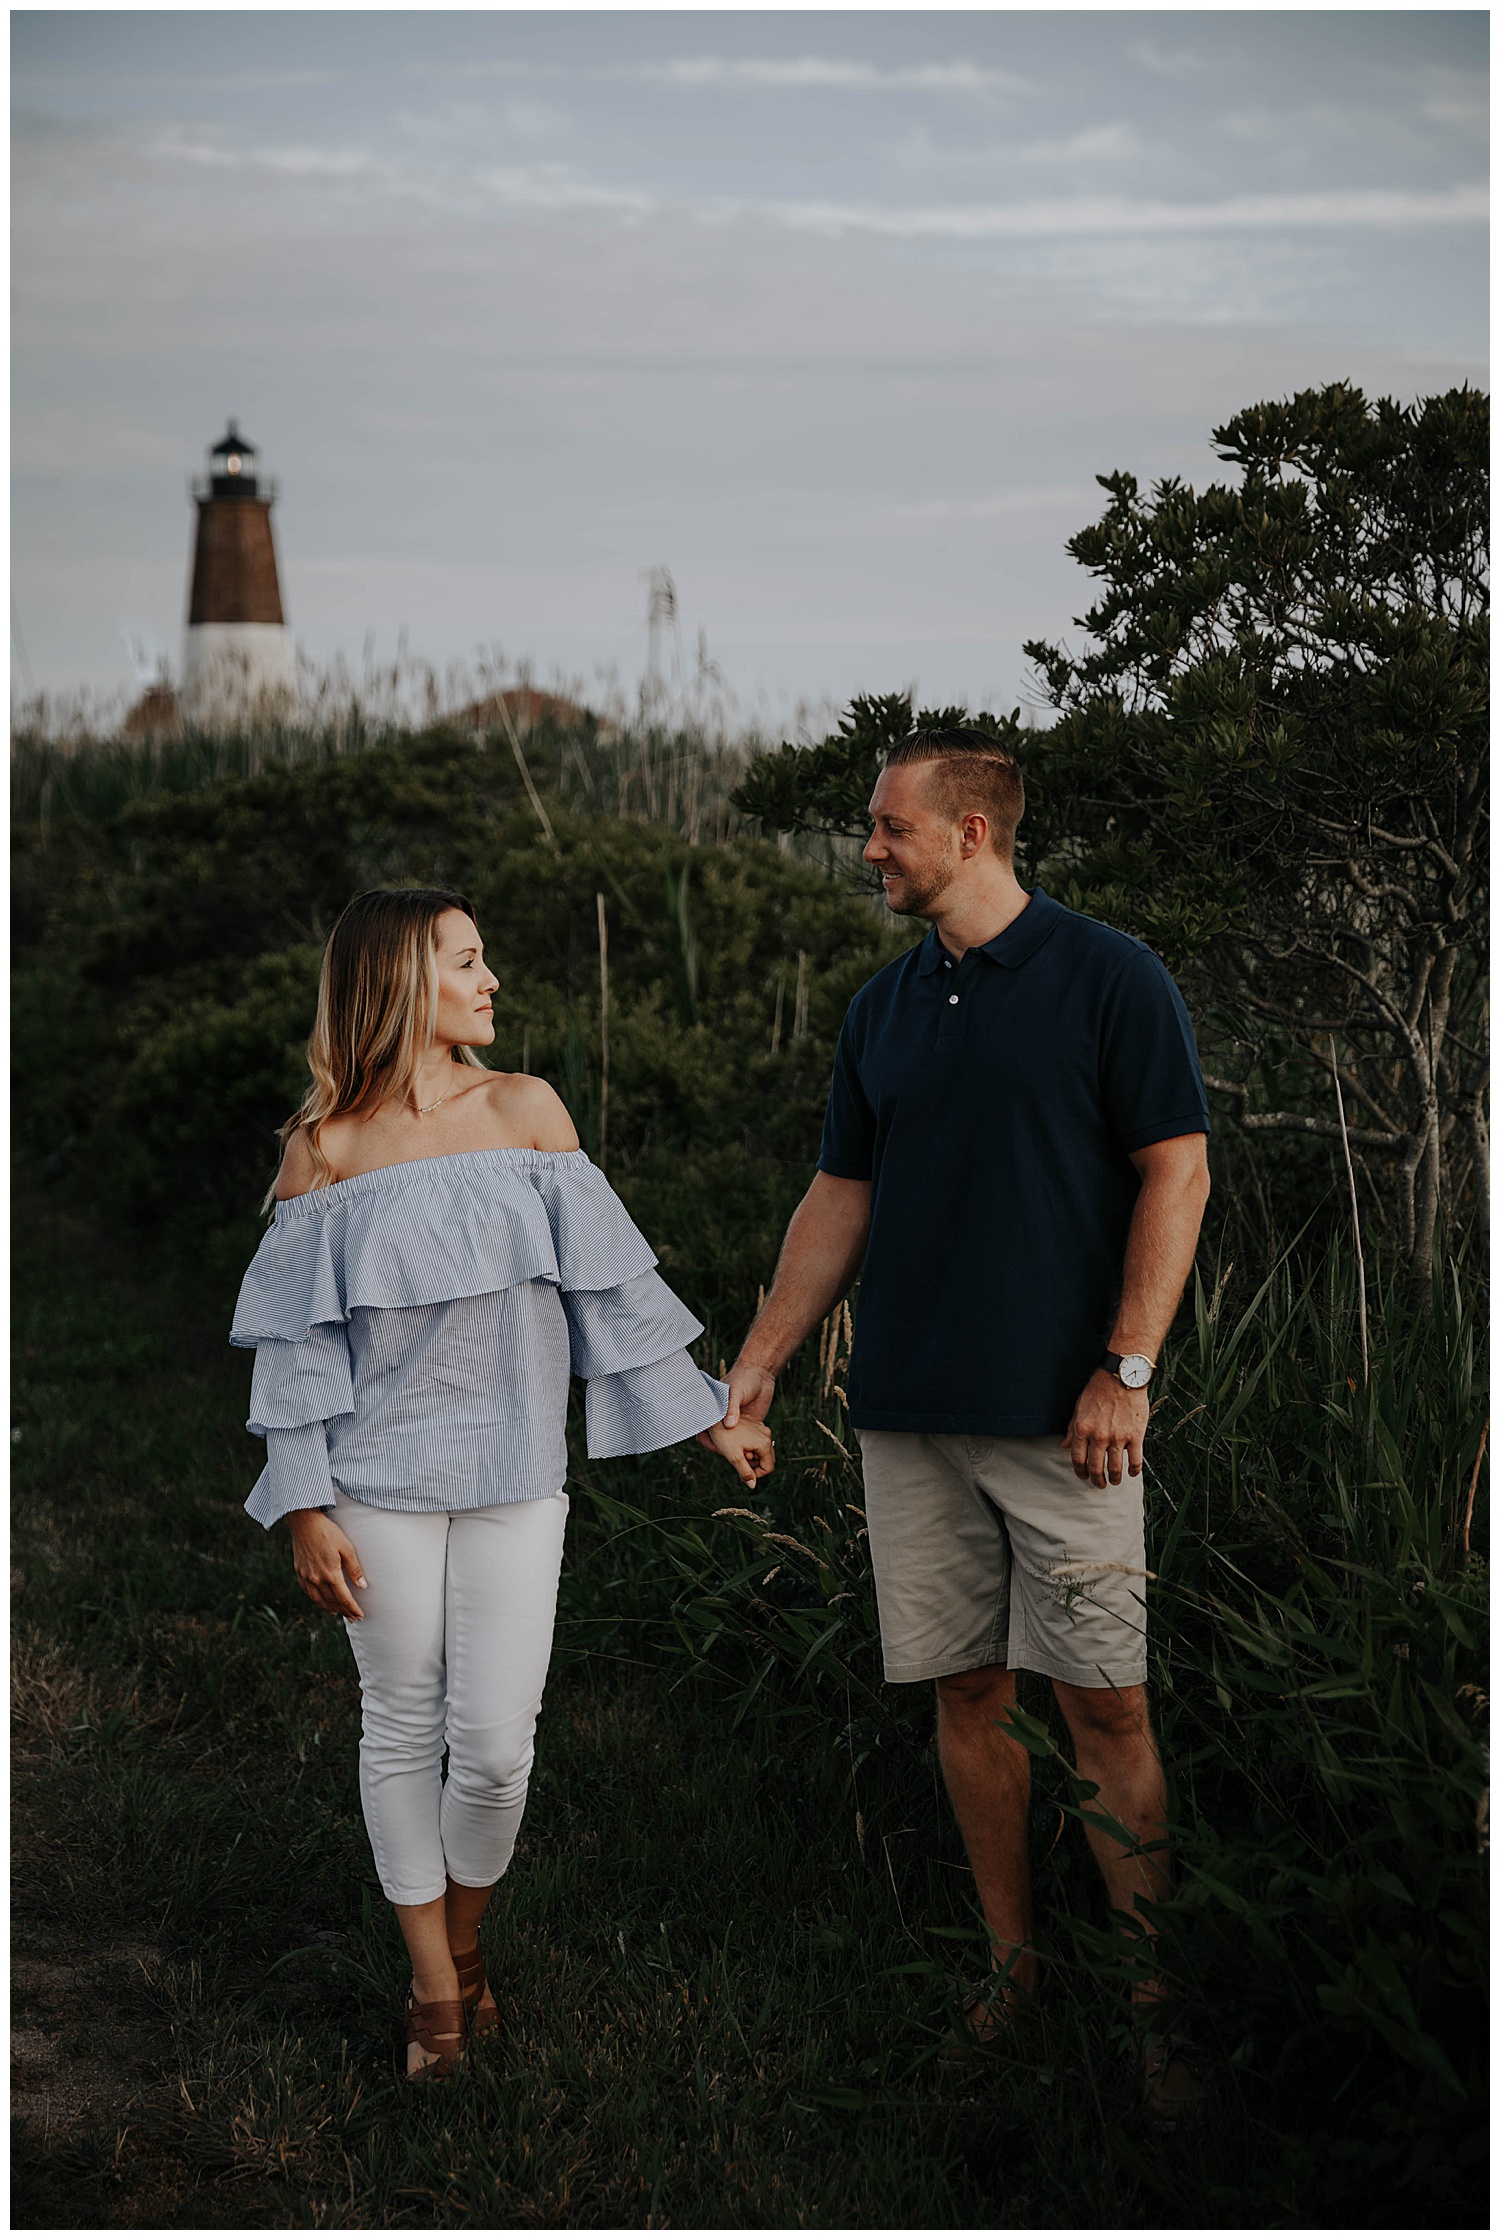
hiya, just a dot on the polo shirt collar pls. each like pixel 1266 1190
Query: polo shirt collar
pixel 1020 940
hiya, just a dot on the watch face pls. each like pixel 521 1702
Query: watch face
pixel 1135 1370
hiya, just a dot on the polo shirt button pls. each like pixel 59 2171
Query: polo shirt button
pixel 953 999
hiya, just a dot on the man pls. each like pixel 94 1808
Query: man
pixel 1015 1150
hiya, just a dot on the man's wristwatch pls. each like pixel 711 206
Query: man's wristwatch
pixel 1132 1369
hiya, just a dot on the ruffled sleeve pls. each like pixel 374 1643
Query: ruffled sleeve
pixel 630 1342
pixel 299 1386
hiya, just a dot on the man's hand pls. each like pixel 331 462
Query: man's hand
pixel 752 1388
pixel 751 1391
pixel 1108 1430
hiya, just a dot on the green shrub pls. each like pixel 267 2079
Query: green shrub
pixel 200 915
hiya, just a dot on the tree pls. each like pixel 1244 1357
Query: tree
pixel 1269 763
pixel 825 788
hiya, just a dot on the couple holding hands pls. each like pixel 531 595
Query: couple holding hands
pixel 1014 1161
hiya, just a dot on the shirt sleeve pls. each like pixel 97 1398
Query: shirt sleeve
pixel 645 1391
pixel 848 1147
pixel 300 1385
pixel 1150 1081
pixel 296 1475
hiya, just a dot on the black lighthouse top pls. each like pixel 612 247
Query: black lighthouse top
pixel 231 465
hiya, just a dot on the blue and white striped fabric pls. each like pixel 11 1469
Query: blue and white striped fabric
pixel 415 1329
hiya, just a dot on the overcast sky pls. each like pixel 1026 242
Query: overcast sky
pixel 836 315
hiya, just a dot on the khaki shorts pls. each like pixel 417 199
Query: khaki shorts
pixel 990 1551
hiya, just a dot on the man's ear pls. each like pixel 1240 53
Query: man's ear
pixel 973 834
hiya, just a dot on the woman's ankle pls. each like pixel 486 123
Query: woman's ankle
pixel 434 1985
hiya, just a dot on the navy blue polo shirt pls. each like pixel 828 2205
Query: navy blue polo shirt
pixel 993 1104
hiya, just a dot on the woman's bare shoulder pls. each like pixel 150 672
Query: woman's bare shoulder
pixel 532 1113
pixel 296 1174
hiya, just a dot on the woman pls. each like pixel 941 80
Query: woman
pixel 441 1254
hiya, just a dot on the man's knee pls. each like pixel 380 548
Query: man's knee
pixel 1107 1715
pixel 983 1693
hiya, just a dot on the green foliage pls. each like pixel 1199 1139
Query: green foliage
pixel 826 788
pixel 1269 763
pixel 201 914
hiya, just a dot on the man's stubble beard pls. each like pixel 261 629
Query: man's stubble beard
pixel 919 890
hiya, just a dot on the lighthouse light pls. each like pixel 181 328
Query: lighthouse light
pixel 233 462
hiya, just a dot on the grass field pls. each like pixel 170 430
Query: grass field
pixel 702 1975
pixel 725 1955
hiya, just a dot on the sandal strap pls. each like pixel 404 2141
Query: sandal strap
pixel 472 1985
pixel 471 1976
pixel 436 2019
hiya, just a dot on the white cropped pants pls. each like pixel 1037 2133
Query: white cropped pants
pixel 452 1651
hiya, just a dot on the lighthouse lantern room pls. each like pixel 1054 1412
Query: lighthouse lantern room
pixel 238 665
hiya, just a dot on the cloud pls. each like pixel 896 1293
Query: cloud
pixel 288 163
pixel 1359 208
pixel 1104 143
pixel 1099 143
pixel 42 83
pixel 558 187
pixel 1469 109
pixel 1167 62
pixel 820 73
pixel 561 187
pixel 726 73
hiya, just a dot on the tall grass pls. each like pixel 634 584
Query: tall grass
pixel 722 1992
pixel 731 1943
pixel 736 1926
pixel 672 757
pixel 1318 1673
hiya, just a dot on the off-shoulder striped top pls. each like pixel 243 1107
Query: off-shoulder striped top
pixel 415 1329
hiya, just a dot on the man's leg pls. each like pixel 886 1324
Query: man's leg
pixel 1113 1746
pixel 942 1582
pixel 989 1782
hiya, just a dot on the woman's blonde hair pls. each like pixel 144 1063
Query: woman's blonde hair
pixel 377 1009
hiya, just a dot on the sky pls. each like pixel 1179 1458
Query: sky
pixel 835 315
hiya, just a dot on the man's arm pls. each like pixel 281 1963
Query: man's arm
pixel 820 1257
pixel 1109 1423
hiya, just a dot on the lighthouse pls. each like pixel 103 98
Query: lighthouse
pixel 238 662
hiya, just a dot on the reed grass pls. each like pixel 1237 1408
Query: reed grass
pixel 733 1934
pixel 672 758
pixel 739 1915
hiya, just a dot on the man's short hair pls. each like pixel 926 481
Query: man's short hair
pixel 975 771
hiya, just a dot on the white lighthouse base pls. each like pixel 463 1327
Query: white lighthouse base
pixel 238 673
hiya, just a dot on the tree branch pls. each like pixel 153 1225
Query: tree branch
pixel 1297 1123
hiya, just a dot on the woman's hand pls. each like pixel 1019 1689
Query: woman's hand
pixel 747 1448
pixel 322 1555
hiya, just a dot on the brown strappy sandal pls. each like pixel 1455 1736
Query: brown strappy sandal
pixel 472 1986
pixel 439 2029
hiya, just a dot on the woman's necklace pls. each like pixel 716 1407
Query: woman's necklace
pixel 443 1099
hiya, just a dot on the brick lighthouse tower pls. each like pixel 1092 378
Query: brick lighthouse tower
pixel 238 661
